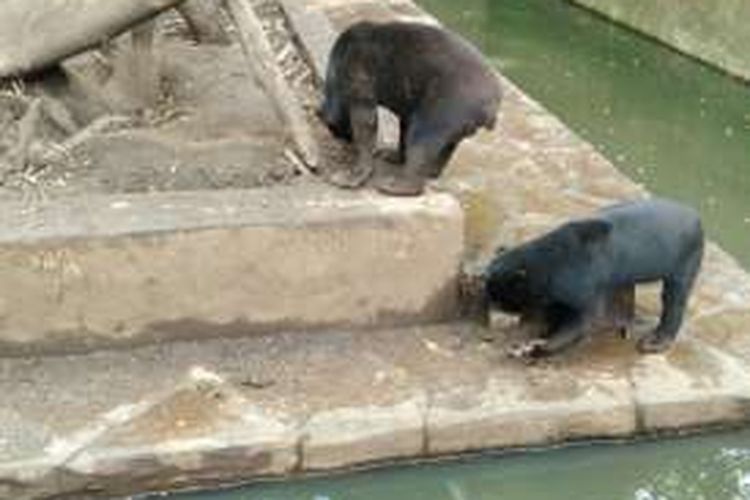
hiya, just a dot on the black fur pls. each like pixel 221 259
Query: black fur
pixel 438 85
pixel 566 274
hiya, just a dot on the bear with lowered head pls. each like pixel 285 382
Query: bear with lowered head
pixel 566 275
pixel 438 85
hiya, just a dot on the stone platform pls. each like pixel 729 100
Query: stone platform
pixel 283 403
pixel 212 412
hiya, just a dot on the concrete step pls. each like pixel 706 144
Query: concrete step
pixel 122 269
pixel 200 413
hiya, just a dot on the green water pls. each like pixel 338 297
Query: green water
pixel 680 128
pixel 713 467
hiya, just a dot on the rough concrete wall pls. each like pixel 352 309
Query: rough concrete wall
pixel 714 31
pixel 105 270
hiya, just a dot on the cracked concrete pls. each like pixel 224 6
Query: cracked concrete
pixel 222 410
pixel 212 412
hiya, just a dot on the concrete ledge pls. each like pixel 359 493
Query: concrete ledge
pixel 185 414
pixel 193 413
pixel 697 386
pixel 714 31
pixel 110 270
pixel 339 438
pixel 533 408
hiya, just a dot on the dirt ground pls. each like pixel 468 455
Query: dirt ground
pixel 92 127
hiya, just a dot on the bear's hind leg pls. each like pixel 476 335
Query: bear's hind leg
pixel 430 142
pixel 674 296
pixel 364 123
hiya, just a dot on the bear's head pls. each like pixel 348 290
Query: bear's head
pixel 522 279
pixel 507 282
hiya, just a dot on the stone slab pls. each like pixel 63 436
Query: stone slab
pixel 315 32
pixel 532 406
pixel 696 385
pixel 197 429
pixel 338 438
pixel 519 180
pixel 714 31
pixel 218 411
pixel 104 271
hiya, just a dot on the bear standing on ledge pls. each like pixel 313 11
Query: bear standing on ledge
pixel 565 275
pixel 438 85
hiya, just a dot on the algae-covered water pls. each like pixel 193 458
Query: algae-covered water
pixel 669 122
pixel 677 126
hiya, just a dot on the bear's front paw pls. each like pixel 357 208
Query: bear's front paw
pixel 528 350
pixel 653 343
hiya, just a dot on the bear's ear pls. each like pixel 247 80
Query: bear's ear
pixel 592 230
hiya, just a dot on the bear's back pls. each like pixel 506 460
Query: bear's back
pixel 650 238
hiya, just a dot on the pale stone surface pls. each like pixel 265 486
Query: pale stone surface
pixel 349 436
pixel 692 385
pixel 197 428
pixel 206 430
pixel 100 271
pixel 531 406
pixel 346 398
pixel 712 30
pixel 216 411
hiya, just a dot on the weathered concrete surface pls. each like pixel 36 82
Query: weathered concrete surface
pixel 695 386
pixel 527 176
pixel 714 31
pixel 531 173
pixel 37 33
pixel 201 412
pixel 108 270
pixel 312 402
pixel 259 54
pixel 93 131
pixel 338 438
pixel 532 406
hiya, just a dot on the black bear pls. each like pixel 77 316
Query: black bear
pixel 437 83
pixel 566 275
